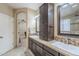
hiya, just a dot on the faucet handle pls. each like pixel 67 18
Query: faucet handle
pixel 69 41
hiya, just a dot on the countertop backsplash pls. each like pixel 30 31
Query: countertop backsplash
pixel 65 40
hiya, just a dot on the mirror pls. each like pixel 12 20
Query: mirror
pixel 68 19
pixel 34 25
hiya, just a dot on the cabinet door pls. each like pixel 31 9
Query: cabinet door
pixel 50 21
pixel 39 50
pixel 6 33
pixel 45 53
pixel 34 48
pixel 39 47
pixel 44 22
pixel 53 52
pixel 29 43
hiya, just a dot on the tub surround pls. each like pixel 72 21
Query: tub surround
pixel 65 49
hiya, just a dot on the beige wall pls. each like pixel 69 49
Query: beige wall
pixel 55 19
pixel 6 9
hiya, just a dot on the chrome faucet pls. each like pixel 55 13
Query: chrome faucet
pixel 69 41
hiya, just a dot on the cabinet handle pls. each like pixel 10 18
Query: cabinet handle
pixel 1 36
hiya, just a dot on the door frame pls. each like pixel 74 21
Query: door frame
pixel 17 11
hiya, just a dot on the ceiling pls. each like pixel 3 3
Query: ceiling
pixel 34 6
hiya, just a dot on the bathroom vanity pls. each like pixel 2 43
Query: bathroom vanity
pixel 68 24
pixel 40 49
pixel 51 48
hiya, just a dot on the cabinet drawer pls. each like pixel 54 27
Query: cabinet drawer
pixel 45 53
pixel 39 50
pixel 34 46
pixel 38 43
pixel 30 43
pixel 34 49
pixel 61 54
pixel 53 52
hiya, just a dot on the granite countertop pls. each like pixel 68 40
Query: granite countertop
pixel 66 49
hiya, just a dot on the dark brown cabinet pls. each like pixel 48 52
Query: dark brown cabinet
pixel 43 22
pixel 35 47
pixel 45 53
pixel 40 49
pixel 46 21
pixel 51 51
pixel 61 54
pixel 30 43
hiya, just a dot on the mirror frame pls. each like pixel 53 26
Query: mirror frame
pixel 58 23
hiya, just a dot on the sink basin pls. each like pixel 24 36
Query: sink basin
pixel 70 48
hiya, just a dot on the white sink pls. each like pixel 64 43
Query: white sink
pixel 70 48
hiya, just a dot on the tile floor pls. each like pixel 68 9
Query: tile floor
pixel 19 52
